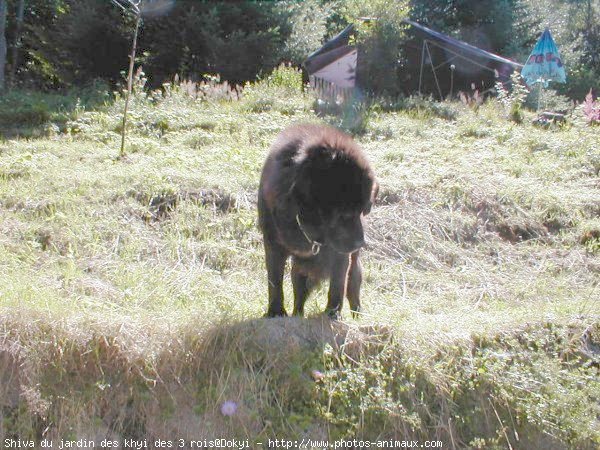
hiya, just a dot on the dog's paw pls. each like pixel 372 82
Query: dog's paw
pixel 333 314
pixel 280 313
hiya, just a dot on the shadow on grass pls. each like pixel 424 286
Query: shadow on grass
pixel 269 371
pixel 275 338
pixel 33 114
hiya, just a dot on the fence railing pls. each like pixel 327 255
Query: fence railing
pixel 330 92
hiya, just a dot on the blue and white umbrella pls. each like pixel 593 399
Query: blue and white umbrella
pixel 544 64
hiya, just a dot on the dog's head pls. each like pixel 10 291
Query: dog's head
pixel 334 188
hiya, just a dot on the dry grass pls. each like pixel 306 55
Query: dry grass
pixel 133 289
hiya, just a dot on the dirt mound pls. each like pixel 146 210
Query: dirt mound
pixel 277 337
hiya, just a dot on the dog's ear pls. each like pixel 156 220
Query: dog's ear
pixel 373 196
pixel 374 191
pixel 301 190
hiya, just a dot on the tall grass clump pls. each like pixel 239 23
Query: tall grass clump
pixel 210 89
pixel 279 91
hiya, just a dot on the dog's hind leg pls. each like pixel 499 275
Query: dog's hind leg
pixel 353 283
pixel 276 256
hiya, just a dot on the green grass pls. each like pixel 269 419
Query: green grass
pixel 133 289
pixel 33 114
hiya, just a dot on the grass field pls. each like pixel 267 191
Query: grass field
pixel 133 288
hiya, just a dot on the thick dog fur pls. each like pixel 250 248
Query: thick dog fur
pixel 315 189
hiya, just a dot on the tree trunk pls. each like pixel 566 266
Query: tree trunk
pixel 129 83
pixel 17 44
pixel 2 42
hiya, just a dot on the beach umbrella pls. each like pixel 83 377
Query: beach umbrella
pixel 544 64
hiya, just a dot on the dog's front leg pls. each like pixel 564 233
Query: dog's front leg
pixel 337 284
pixel 353 283
pixel 275 258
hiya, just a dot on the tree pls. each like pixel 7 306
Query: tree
pixel 134 7
pixel 137 8
pixel 379 40
pixel 65 43
pixel 2 42
pixel 304 25
pixel 237 40
pixel 18 40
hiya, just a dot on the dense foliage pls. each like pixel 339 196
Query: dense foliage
pixel 506 27
pixel 70 42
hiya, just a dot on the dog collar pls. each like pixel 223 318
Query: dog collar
pixel 315 245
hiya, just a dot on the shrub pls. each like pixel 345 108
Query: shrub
pixel 513 99
pixel 277 91
pixel 211 89
pixel 287 77
pixel 21 110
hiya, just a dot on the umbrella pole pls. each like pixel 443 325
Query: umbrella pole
pixel 539 95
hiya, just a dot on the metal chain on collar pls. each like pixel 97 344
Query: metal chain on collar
pixel 315 245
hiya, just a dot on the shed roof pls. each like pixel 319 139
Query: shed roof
pixel 335 48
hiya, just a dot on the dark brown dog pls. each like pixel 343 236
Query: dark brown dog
pixel 315 188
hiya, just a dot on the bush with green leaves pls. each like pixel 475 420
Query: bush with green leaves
pixel 86 40
pixel 279 91
pixel 513 99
